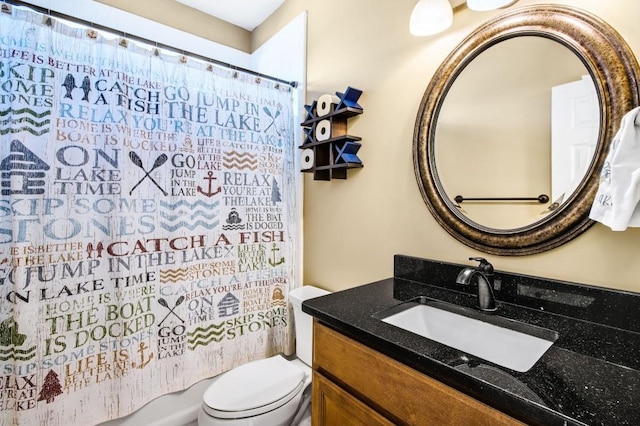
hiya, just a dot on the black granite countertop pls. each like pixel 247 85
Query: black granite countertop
pixel 590 375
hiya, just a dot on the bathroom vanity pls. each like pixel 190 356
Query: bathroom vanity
pixel 367 371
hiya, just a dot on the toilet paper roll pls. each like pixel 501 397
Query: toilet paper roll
pixel 323 130
pixel 324 104
pixel 306 159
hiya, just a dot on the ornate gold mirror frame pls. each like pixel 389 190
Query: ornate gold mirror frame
pixel 612 67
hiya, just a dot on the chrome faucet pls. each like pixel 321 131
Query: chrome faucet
pixel 484 274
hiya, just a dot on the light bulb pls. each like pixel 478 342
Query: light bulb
pixel 430 17
pixel 484 5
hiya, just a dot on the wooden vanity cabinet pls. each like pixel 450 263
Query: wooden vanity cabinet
pixel 355 385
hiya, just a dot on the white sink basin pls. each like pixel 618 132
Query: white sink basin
pixel 505 342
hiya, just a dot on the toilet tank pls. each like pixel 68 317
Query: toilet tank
pixel 303 323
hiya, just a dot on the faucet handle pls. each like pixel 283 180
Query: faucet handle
pixel 484 266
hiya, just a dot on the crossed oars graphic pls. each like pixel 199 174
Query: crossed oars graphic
pixel 135 158
pixel 164 303
pixel 273 119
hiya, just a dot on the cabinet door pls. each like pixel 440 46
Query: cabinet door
pixel 390 387
pixel 333 406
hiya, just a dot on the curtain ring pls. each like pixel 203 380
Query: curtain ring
pixel 6 8
pixel 123 42
pixel 210 67
pixel 91 33
pixel 46 20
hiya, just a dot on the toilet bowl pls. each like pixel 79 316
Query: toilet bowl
pixel 267 392
pixel 264 392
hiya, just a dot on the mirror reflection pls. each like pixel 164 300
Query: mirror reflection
pixel 530 128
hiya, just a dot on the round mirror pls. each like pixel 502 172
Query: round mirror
pixel 514 127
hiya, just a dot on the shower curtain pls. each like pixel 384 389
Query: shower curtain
pixel 146 221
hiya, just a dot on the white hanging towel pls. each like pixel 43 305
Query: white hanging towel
pixel 617 202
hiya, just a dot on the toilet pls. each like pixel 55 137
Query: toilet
pixel 268 392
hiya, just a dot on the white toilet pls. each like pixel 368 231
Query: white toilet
pixel 267 392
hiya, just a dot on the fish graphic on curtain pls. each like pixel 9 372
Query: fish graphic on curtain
pixel 146 221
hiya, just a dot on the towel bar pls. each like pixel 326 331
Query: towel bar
pixel 542 198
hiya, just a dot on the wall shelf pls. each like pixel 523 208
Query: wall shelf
pixel 328 151
pixel 346 112
pixel 337 139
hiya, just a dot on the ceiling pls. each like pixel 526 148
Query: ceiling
pixel 247 14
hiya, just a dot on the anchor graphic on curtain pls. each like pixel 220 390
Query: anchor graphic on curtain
pixel 210 193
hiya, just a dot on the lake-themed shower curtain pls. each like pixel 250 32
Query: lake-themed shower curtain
pixel 146 221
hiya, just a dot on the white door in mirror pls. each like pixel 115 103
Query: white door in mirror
pixel 575 124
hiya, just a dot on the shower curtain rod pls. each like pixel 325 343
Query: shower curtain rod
pixel 96 26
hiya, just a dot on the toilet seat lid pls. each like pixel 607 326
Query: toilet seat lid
pixel 255 384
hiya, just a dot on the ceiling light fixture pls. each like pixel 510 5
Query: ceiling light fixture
pixel 484 5
pixel 430 17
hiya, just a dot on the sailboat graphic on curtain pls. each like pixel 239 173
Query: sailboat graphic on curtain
pixel 146 222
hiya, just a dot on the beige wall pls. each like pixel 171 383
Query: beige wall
pixel 353 228
pixel 177 15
